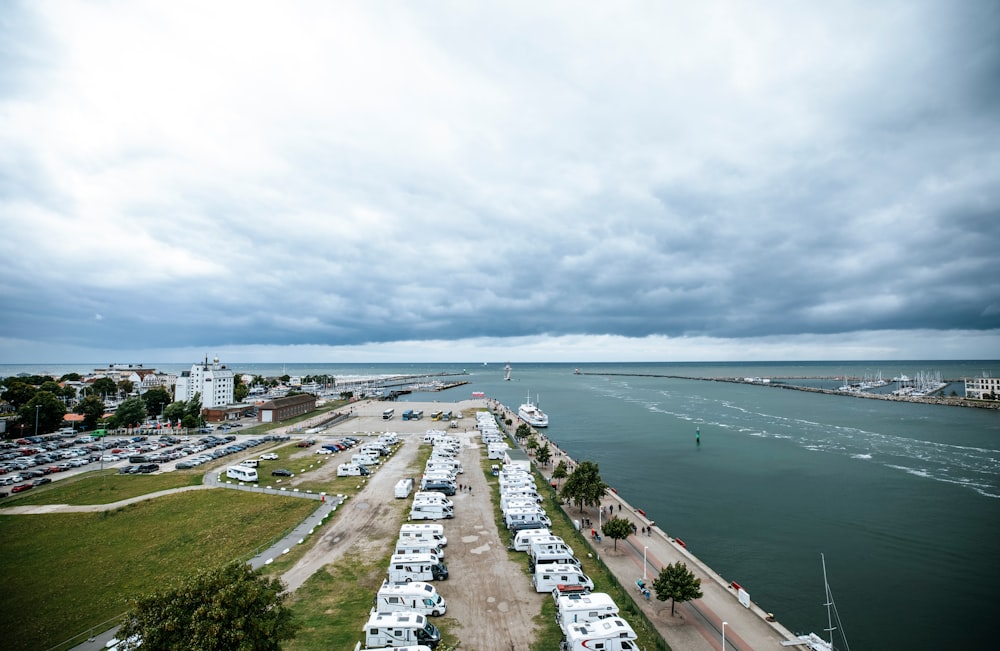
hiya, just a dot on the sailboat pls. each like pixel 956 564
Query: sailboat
pixel 815 642
pixel 506 372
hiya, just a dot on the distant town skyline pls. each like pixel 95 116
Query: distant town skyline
pixel 373 182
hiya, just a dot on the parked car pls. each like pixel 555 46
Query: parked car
pixel 270 456
pixel 281 472
pixel 41 480
pixel 323 451
pixel 21 488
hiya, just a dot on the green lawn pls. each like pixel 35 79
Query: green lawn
pixel 103 488
pixel 66 572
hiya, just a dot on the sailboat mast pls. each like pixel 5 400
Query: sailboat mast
pixel 829 602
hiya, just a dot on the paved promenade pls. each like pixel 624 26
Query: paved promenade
pixel 697 625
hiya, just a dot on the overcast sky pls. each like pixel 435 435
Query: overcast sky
pixel 533 181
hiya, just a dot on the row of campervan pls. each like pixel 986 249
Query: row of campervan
pixel 368 456
pixel 399 616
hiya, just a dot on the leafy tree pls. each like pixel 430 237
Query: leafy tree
pixel 92 409
pixel 49 413
pixel 31 380
pixel 617 529
pixel 523 431
pixel 508 422
pixel 346 395
pixel 51 386
pixel 240 390
pixel 677 583
pixel 125 387
pixel 561 470
pixel 71 377
pixel 104 386
pixel 192 412
pixel 18 393
pixel 532 444
pixel 156 400
pixel 174 412
pixel 584 486
pixel 131 413
pixel 232 608
pixel 543 454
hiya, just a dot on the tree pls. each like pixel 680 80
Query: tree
pixel 125 387
pixel 532 444
pixel 523 431
pixel 156 399
pixel 104 386
pixel 18 393
pixel 192 412
pixel 49 413
pixel 174 412
pixel 561 470
pixel 584 487
pixel 543 454
pixel 131 413
pixel 677 583
pixel 71 377
pixel 92 409
pixel 617 529
pixel 240 390
pixel 229 608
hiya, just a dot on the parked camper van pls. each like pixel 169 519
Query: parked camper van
pixel 535 514
pixel 403 487
pixel 546 577
pixel 433 532
pixel 542 559
pixel 351 470
pixel 521 541
pixel 419 596
pixel 540 544
pixel 427 511
pixel 404 568
pixel 584 608
pixel 439 485
pixel 400 629
pixel 404 547
pixel 364 459
pixel 242 473
pixel 609 634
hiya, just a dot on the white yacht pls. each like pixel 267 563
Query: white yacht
pixel 532 414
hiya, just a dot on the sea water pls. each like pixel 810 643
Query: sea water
pixel 903 499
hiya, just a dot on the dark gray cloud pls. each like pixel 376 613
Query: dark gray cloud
pixel 359 176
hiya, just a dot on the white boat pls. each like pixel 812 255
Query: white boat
pixel 532 414
pixel 811 640
pixel 506 372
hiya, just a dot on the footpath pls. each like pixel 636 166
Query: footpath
pixel 697 625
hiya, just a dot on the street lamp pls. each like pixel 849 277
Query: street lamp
pixel 724 635
pixel 37 407
pixel 644 562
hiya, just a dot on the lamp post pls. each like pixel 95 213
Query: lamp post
pixel 37 407
pixel 724 635
pixel 644 562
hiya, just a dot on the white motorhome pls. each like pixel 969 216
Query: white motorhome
pixel 432 532
pixel 404 568
pixel 496 450
pixel 584 608
pixel 526 494
pixel 242 473
pixel 507 503
pixel 546 577
pixel 444 464
pixel 428 511
pixel 432 497
pixel 552 558
pixel 439 475
pixel 540 544
pixel 400 629
pixel 419 547
pixel 351 470
pixel 535 514
pixel 403 487
pixel 609 634
pixel 516 485
pixel 364 459
pixel 418 596
pixel 521 541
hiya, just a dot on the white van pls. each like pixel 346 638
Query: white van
pixel 400 629
pixel 552 558
pixel 584 608
pixel 250 463
pixel 426 511
pixel 546 577
pixel 611 634
pixel 404 568
pixel 242 473
pixel 432 497
pixel 433 532
pixel 403 487
pixel 507 504
pixel 540 544
pixel 419 547
pixel 521 541
pixel 351 470
pixel 418 596
pixel 526 515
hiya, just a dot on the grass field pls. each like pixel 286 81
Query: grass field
pixel 66 572
pixel 103 487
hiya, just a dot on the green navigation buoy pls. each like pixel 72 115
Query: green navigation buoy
pixel 697 436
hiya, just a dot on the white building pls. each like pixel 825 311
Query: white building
pixel 982 388
pixel 213 381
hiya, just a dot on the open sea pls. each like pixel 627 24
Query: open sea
pixel 903 499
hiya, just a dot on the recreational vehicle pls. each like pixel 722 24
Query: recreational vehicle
pixel 242 473
pixel 400 629
pixel 584 608
pixel 403 487
pixel 430 532
pixel 610 634
pixel 521 541
pixel 418 596
pixel 546 577
pixel 351 470
pixel 404 568
pixel 426 511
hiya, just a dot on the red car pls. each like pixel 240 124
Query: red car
pixel 20 488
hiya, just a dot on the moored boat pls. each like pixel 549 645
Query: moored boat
pixel 532 414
